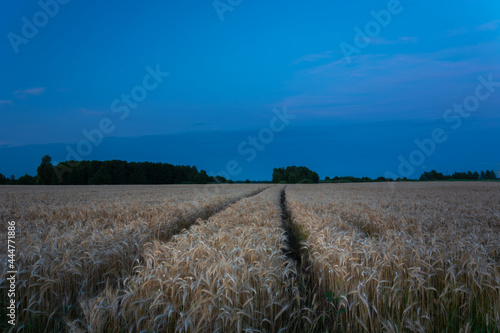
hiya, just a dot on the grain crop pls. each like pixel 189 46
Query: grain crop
pixel 410 257
pixel 73 241
pixel 375 257
pixel 226 274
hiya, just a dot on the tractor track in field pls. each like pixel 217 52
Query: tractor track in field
pixel 172 228
pixel 175 227
pixel 184 223
pixel 292 247
pixel 298 253
pixel 181 223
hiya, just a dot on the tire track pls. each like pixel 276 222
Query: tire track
pixel 185 222
pixel 298 252
pixel 164 233
pixel 293 245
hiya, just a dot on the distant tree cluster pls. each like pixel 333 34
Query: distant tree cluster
pixel 294 174
pixel 3 180
pixel 351 179
pixel 45 171
pixel 122 172
pixel 23 180
pixel 469 175
pixel 111 172
pixel 426 176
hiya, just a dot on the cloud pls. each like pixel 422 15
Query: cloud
pixel 3 101
pixel 314 57
pixel 309 58
pixel 405 85
pixel 490 26
pixel 408 39
pixel 456 32
pixel 32 91
pixel 93 112
pixel 201 124
pixel 401 40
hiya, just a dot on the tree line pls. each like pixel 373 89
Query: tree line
pixel 294 175
pixel 117 172
pixel 469 175
pixel 426 176
pixel 114 172
pixel 351 179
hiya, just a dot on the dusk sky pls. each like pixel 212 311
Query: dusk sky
pixel 360 88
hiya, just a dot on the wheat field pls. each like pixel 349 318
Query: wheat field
pixel 419 257
pixel 73 241
pixel 416 257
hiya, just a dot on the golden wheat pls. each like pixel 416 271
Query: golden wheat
pixel 417 257
pixel 74 241
pixel 225 274
pixel 411 257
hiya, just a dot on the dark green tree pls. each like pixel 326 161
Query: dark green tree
pixel 122 172
pixel 220 179
pixel 490 174
pixel 294 174
pixel 202 178
pixel 101 177
pixel 138 176
pixel 278 175
pixel 293 178
pixel 26 180
pixel 433 175
pixel 45 171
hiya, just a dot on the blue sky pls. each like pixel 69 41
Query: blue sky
pixel 356 115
